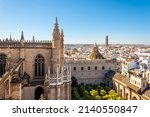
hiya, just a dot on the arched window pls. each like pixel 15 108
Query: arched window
pixel 2 64
pixel 74 68
pixel 82 68
pixel 103 67
pixel 95 67
pixel 39 65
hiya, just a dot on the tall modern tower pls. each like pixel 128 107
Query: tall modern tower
pixel 106 41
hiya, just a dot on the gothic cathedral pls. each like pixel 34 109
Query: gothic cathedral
pixel 32 69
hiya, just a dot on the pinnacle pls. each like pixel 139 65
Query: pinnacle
pixel 56 21
pixel 22 36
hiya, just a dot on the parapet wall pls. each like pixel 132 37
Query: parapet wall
pixel 5 43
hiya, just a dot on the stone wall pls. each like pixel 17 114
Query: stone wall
pixel 14 54
pixel 59 92
pixel 2 93
pixel 29 54
pixel 126 92
pixel 16 91
pixel 91 71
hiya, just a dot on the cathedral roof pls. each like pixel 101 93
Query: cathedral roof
pixel 95 54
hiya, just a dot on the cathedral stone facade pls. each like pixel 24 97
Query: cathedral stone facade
pixel 34 69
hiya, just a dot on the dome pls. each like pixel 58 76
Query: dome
pixel 95 54
pixel 134 65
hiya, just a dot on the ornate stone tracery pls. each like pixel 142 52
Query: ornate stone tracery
pixel 32 63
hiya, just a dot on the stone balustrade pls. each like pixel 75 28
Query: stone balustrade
pixel 60 78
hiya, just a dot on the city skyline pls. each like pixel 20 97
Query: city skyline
pixel 83 21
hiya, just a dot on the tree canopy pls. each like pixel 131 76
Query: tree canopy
pixel 92 92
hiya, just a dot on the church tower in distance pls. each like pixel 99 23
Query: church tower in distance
pixel 106 41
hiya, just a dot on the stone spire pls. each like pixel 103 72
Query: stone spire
pixel 33 39
pixel 62 34
pixel 10 37
pixel 22 36
pixel 62 40
pixel 56 22
pixel 56 28
pixel 56 33
pixel 22 39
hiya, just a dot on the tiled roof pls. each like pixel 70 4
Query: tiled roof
pixel 125 81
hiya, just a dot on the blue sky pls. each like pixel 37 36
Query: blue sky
pixel 83 21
